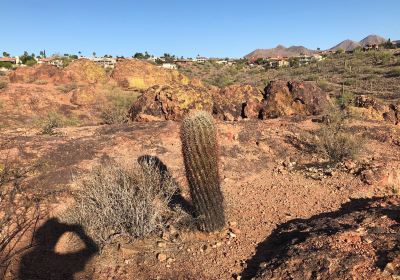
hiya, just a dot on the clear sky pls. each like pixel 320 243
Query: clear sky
pixel 214 28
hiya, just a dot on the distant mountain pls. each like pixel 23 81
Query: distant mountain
pixel 279 51
pixel 372 40
pixel 346 45
pixel 349 45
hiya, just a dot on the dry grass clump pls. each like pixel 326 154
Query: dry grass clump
pixel 116 199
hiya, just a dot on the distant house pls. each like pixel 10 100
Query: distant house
pixel 168 66
pixel 317 57
pixel 184 62
pixel 13 60
pixel 396 43
pixel 277 62
pixel 51 61
pixel 106 62
pixel 371 47
pixel 200 59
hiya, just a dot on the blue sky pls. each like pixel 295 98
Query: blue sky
pixel 186 28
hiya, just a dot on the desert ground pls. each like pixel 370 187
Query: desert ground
pixel 309 192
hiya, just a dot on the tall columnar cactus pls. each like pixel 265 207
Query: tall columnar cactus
pixel 200 154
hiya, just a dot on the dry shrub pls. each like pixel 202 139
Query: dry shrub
pixel 67 88
pixel 334 141
pixel 53 121
pixel 19 213
pixel 116 199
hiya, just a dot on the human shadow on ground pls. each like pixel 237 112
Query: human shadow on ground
pixel 43 263
pixel 177 199
pixel 275 248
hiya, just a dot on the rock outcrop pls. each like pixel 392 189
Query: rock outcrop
pixel 81 71
pixel 231 103
pixel 37 73
pixel 359 241
pixel 371 108
pixel 170 102
pixel 86 72
pixel 237 101
pixel 284 98
pixel 134 73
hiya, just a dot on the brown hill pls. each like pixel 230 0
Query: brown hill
pixel 134 73
pixel 346 45
pixel 279 51
pixel 372 40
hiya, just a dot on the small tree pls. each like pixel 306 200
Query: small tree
pixel 6 54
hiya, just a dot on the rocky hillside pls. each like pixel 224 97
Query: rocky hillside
pixel 279 51
pixel 346 45
pixel 372 40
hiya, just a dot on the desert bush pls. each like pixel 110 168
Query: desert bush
pixel 115 111
pixel 116 199
pixel 3 84
pixel 53 121
pixel 41 82
pixel 67 88
pixel 345 99
pixel 324 85
pixel 333 141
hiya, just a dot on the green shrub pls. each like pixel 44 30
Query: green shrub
pixel 6 64
pixel 345 99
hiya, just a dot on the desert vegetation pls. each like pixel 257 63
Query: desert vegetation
pixel 205 170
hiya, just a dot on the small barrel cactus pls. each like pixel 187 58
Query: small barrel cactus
pixel 200 154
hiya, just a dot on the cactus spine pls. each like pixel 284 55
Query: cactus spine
pixel 200 154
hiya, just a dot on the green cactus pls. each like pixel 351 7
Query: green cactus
pixel 200 154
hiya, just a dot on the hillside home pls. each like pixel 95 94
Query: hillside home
pixel 396 43
pixel 183 62
pixel 13 60
pixel 168 66
pixel 371 47
pixel 200 59
pixel 51 61
pixel 277 62
pixel 106 62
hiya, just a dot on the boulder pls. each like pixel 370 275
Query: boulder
pixel 237 101
pixel 170 102
pixel 284 98
pixel 134 73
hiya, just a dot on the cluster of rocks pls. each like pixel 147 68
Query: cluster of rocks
pixel 374 109
pixel 235 102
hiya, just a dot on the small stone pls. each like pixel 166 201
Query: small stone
pixel 161 257
pixel 161 244
pixel 234 230
pixel 170 260
pixel 232 235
